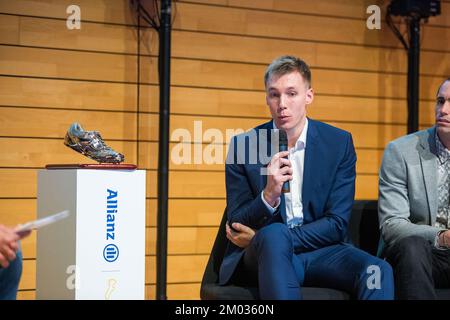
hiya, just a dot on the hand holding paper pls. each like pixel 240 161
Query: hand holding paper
pixel 26 228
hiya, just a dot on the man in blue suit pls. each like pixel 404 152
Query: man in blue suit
pixel 298 238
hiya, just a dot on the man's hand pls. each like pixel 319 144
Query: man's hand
pixel 241 235
pixel 279 171
pixel 8 245
pixel 444 239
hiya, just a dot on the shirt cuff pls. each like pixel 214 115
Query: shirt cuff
pixel 269 207
pixel 436 241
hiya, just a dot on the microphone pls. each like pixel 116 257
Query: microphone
pixel 284 147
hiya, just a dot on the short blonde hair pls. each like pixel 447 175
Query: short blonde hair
pixel 287 64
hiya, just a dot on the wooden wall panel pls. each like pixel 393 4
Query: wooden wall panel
pixel 26 294
pixel 15 211
pixel 112 11
pixel 65 94
pixel 28 279
pixel 277 24
pixel 345 8
pixel 123 39
pixel 91 36
pixel 249 77
pixel 355 9
pixel 184 240
pixel 37 62
pixel 51 33
pixel 117 11
pixel 20 61
pixel 51 76
pixel 444 18
pixel 16 122
pixel 327 55
pixel 350 9
pixel 9 29
pixel 194 212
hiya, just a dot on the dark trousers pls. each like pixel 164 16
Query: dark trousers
pixel 280 274
pixel 10 278
pixel 419 268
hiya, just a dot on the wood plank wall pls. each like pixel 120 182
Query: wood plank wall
pixel 103 78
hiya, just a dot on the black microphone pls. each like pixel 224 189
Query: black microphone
pixel 284 147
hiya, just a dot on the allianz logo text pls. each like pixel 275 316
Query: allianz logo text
pixel 111 251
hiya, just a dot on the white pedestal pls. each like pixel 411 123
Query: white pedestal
pixel 98 252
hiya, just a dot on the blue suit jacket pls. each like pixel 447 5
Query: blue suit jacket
pixel 327 193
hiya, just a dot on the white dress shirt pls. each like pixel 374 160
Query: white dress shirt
pixel 293 199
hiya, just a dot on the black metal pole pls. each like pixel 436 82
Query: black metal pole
pixel 163 158
pixel 413 74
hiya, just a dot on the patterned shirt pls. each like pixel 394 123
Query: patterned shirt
pixel 443 159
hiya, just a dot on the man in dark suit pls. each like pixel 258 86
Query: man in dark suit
pixel 286 240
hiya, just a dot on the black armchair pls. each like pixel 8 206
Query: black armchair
pixel 363 230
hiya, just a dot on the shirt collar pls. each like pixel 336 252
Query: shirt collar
pixel 442 152
pixel 301 141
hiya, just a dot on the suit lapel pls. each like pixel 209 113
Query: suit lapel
pixel 311 159
pixel 428 162
pixel 267 127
